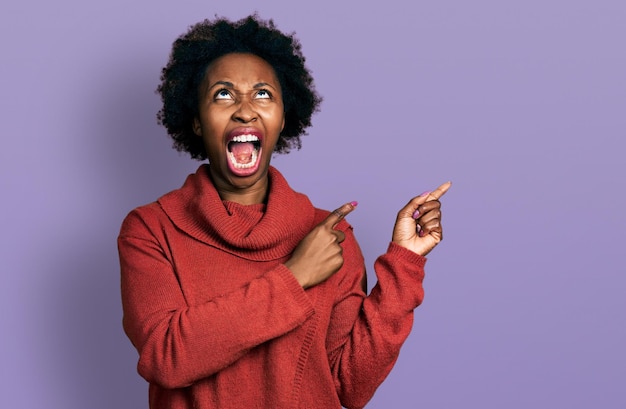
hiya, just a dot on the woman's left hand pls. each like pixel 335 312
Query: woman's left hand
pixel 418 225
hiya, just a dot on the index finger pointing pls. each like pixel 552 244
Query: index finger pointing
pixel 440 191
pixel 338 214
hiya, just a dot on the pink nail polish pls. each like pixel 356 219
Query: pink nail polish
pixel 416 214
pixel 354 203
pixel 425 193
pixel 421 233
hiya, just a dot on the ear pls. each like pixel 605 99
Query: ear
pixel 197 126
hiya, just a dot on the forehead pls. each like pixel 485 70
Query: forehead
pixel 241 68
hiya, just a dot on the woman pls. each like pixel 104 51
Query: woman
pixel 237 292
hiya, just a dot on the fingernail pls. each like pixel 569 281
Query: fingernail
pixel 416 214
pixel 354 204
pixel 425 193
pixel 421 233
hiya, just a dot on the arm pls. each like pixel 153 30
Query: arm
pixel 366 333
pixel 180 343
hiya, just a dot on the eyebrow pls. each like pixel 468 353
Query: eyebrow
pixel 228 84
pixel 262 84
pixel 224 83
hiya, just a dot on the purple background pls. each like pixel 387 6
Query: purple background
pixel 521 104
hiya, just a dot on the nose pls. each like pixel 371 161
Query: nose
pixel 245 112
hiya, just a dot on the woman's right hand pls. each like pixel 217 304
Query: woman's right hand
pixel 319 254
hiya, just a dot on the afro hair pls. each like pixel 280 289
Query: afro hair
pixel 209 40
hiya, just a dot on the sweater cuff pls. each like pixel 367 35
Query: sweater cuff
pixel 296 290
pixel 397 250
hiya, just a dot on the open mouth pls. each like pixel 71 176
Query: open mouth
pixel 243 151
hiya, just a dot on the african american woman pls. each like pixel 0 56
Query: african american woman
pixel 237 292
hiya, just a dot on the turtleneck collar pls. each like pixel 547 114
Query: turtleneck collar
pixel 197 209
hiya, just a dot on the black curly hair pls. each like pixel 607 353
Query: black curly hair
pixel 209 40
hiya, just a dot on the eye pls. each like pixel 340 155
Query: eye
pixel 223 94
pixel 262 94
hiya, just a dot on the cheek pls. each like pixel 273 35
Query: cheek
pixel 213 124
pixel 277 118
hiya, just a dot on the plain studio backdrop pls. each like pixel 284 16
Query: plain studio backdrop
pixel 521 104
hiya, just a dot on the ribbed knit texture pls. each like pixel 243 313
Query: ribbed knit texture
pixel 220 322
pixel 278 231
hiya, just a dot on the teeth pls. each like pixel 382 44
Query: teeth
pixel 245 138
pixel 238 165
pixel 254 156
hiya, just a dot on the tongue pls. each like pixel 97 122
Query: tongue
pixel 242 151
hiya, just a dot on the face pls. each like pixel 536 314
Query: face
pixel 241 115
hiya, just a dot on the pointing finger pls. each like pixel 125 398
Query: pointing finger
pixel 440 191
pixel 338 214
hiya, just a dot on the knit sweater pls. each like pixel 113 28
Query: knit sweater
pixel 220 322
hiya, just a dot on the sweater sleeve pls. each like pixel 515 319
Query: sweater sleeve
pixel 178 343
pixel 366 333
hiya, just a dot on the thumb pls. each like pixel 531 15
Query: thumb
pixel 338 214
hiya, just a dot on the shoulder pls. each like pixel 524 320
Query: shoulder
pixel 144 219
pixel 154 214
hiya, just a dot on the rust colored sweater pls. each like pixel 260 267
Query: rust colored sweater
pixel 220 322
